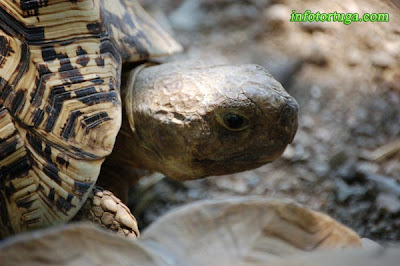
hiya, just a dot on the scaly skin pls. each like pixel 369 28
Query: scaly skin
pixel 106 210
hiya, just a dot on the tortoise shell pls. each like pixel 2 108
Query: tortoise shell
pixel 60 105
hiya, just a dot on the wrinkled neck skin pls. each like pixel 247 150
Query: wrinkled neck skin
pixel 189 120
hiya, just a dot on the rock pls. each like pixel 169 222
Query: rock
pixel 301 153
pixel 383 183
pixel 187 16
pixel 392 168
pixel 316 26
pixel 315 92
pixel 382 59
pixel 348 172
pixel 238 185
pixel 338 159
pixel 318 52
pixel 289 152
pixel 367 167
pixel 307 121
pixel 392 48
pixel 319 167
pixel 344 191
pixel 354 57
pixel 388 202
pixel 276 15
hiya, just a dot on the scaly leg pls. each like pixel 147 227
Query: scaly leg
pixel 108 211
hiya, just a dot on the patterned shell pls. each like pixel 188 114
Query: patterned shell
pixel 60 106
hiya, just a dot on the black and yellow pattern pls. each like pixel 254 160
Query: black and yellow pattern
pixel 60 106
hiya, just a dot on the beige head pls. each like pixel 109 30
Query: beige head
pixel 190 120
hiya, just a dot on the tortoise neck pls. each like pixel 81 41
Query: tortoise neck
pixel 127 163
pixel 130 148
pixel 127 149
pixel 123 168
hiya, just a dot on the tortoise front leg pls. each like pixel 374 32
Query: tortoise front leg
pixel 118 176
pixel 108 211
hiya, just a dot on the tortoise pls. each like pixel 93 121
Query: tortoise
pixel 61 96
pixel 233 231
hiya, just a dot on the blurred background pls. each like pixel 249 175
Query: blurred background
pixel 345 159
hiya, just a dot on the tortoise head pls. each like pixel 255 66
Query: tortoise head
pixel 190 120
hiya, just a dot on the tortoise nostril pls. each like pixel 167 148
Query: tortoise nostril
pixel 288 115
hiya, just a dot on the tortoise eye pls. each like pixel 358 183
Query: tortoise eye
pixel 235 122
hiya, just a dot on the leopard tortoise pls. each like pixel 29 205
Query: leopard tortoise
pixel 61 64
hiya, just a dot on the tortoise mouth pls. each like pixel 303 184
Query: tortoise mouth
pixel 245 159
pixel 207 167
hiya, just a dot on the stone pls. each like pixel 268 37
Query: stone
pixel 388 202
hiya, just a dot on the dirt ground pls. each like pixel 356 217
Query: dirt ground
pixel 345 158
